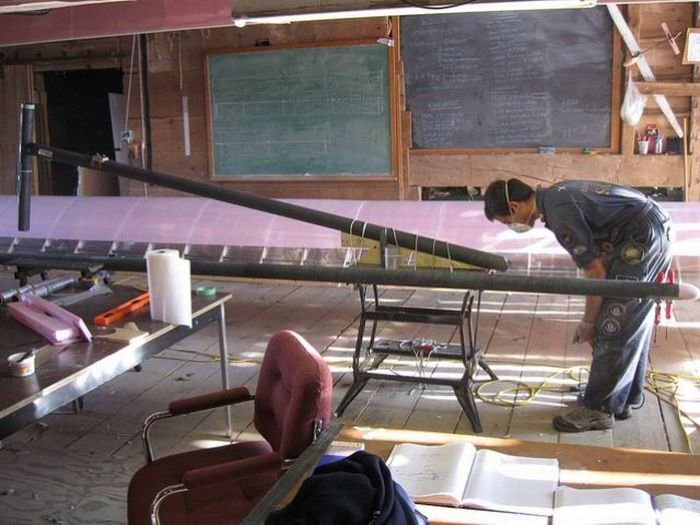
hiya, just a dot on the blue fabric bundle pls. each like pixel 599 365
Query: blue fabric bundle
pixel 357 490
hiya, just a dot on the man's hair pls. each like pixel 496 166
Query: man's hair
pixel 495 200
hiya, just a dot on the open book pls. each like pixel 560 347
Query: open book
pixel 622 506
pixel 457 474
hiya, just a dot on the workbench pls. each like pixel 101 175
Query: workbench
pixel 66 373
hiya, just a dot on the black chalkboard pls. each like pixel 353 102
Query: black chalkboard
pixel 509 80
pixel 302 111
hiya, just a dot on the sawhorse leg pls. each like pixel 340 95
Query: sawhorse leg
pixel 357 385
pixel 465 397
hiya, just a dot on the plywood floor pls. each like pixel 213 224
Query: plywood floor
pixel 74 468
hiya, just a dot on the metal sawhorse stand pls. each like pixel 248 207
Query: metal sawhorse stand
pixel 367 359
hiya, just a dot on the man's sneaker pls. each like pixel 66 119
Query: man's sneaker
pixel 582 419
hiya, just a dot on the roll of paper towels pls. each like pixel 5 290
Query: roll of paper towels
pixel 169 287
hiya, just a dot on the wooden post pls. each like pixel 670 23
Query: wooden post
pixel 628 140
pixel 692 181
pixel 686 168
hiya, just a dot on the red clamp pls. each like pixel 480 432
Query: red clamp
pixel 663 278
pixel 670 278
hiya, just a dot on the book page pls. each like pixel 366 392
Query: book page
pixel 675 510
pixel 512 483
pixel 616 506
pixel 432 473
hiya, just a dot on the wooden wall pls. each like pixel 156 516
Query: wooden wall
pixel 175 69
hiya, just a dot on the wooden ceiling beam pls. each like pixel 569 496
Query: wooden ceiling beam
pixel 681 89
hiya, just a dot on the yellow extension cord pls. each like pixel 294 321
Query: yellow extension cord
pixel 663 385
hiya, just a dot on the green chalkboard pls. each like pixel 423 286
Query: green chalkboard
pixel 302 111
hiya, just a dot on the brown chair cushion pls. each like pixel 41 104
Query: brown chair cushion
pixel 238 497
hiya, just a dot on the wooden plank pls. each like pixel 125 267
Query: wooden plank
pixel 684 360
pixel 628 141
pixel 398 171
pixel 505 351
pixel 668 346
pixel 684 89
pixel 692 169
pixel 477 170
pixel 694 117
pixel 542 363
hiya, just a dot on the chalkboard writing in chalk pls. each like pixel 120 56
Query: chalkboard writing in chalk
pixel 318 111
pixel 509 80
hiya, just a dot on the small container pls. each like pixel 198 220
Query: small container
pixel 22 367
pixel 643 147
pixel 659 145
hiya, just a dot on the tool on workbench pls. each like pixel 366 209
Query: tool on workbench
pixel 128 334
pixel 29 353
pixel 123 309
pixel 98 288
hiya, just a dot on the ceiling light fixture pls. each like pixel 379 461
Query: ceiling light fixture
pixel 39 7
pixel 472 7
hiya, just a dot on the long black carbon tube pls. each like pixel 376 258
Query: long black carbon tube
pixel 24 176
pixel 345 224
pixel 460 280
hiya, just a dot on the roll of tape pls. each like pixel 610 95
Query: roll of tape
pixel 206 291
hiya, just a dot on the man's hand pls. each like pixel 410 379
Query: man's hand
pixel 585 333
